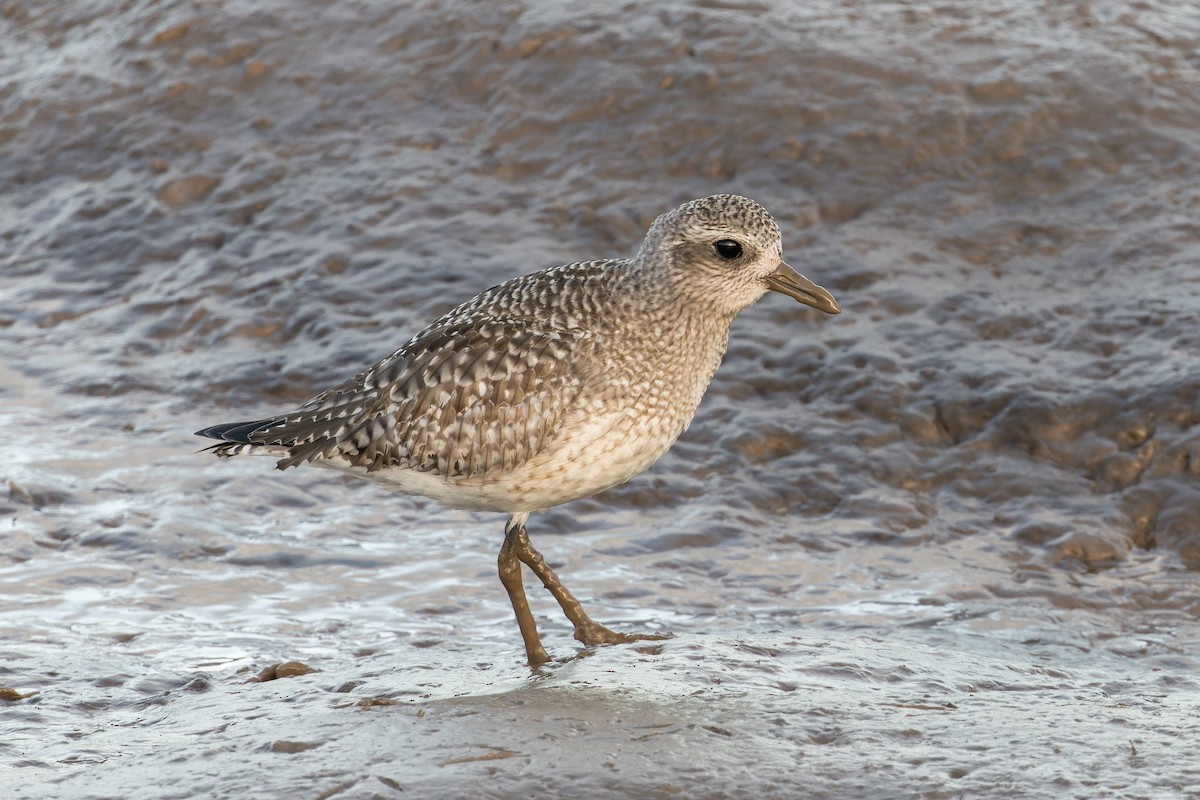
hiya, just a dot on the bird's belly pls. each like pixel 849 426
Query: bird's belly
pixel 589 457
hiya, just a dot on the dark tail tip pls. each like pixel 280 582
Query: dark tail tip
pixel 239 432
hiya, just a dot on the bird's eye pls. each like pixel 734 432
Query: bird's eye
pixel 727 249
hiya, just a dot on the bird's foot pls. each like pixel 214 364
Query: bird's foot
pixel 593 633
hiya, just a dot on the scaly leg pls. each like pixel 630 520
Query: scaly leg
pixel 510 576
pixel 586 630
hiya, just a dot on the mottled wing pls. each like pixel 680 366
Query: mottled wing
pixel 459 400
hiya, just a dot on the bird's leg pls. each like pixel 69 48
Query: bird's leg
pixel 587 630
pixel 510 576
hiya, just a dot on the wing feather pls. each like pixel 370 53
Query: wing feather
pixel 456 402
pixel 483 389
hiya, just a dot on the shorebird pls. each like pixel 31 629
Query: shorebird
pixel 547 388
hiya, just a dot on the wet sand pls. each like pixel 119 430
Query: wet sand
pixel 943 545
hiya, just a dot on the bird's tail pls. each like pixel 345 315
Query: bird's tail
pixel 236 438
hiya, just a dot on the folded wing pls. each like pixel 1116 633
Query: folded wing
pixel 460 400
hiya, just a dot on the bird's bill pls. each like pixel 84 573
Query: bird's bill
pixel 786 280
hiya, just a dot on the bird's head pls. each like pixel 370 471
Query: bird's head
pixel 725 252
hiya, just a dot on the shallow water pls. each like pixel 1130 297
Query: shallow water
pixel 942 545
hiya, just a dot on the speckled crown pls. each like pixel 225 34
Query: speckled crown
pixel 726 211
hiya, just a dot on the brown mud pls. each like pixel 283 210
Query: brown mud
pixel 946 544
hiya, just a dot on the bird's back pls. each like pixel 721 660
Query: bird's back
pixel 479 390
